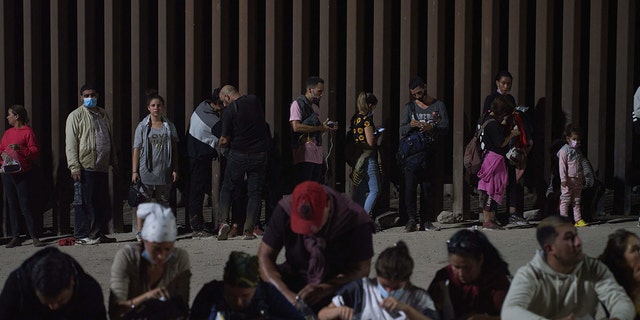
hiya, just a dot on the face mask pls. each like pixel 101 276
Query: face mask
pixel 575 144
pixel 315 100
pixel 146 256
pixel 90 102
pixel 396 294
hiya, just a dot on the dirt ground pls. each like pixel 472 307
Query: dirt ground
pixel 428 249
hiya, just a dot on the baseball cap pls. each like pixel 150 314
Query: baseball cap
pixel 307 207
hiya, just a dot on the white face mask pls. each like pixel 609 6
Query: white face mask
pixel 574 143
pixel 90 102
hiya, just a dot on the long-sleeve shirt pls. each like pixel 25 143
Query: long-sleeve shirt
pixel 539 292
pixel 570 164
pixel 423 114
pixel 25 138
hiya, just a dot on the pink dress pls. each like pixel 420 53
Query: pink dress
pixel 493 176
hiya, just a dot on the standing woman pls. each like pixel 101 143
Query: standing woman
pixel 155 153
pixel 365 174
pixel 493 173
pixel 19 143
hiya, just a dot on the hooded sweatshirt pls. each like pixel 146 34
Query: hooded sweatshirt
pixel 539 292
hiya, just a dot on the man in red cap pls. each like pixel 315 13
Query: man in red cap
pixel 327 240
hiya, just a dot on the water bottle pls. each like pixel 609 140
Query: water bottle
pixel 77 193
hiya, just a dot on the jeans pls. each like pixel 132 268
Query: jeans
pixel 17 188
pixel 254 166
pixel 200 173
pixel 370 183
pixel 91 217
pixel 306 171
pixel 414 176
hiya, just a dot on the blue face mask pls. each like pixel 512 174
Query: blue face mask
pixel 396 294
pixel 146 256
pixel 90 102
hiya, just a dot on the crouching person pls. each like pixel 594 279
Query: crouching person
pixel 51 285
pixel 388 296
pixel 241 294
pixel 151 278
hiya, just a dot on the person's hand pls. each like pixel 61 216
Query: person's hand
pixel 327 127
pixel 342 313
pixel 426 127
pixel 515 133
pixel 14 146
pixel 563 184
pixel 134 177
pixel 313 293
pixel 158 293
pixel 415 124
pixel 223 141
pixel 75 175
pixel 391 304
pixel 174 176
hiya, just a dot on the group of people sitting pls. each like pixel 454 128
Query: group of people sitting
pixel 328 249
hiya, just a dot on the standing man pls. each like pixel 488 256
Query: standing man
pixel 246 133
pixel 327 240
pixel 560 282
pixel 90 151
pixel 307 129
pixel 202 141
pixel 428 116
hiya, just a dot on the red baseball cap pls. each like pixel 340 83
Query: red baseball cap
pixel 308 201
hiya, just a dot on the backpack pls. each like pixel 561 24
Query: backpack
pixel 473 153
pixel 413 147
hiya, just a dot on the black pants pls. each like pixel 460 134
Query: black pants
pixel 200 172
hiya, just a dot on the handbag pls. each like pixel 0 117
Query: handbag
pixel 413 145
pixel 135 195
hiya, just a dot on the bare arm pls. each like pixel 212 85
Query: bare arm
pixel 269 273
pixel 135 163
pixel 174 160
pixel 313 293
pixel 299 127
pixel 334 312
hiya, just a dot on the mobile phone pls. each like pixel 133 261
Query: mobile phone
pixel 332 124
pixel 380 130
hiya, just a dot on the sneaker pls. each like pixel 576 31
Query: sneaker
pixel 223 231
pixel 517 219
pixel 248 235
pixel 429 226
pixel 234 231
pixel 410 227
pixel 491 225
pixel 15 242
pixel 257 231
pixel 87 241
pixel 138 236
pixel 37 243
pixel 105 239
pixel 581 223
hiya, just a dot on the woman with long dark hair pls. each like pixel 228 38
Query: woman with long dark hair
pixel 20 147
pixel 474 283
pixel 622 256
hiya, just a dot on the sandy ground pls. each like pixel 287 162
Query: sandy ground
pixel 208 256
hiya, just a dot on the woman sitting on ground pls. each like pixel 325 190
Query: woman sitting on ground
pixel 388 296
pixel 153 269
pixel 622 256
pixel 475 283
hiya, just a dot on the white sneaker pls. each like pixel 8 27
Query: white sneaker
pixel 87 241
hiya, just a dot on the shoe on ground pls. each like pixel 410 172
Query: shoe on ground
pixel 223 231
pixel 15 242
pixel 139 236
pixel 37 243
pixel 517 220
pixel 234 231
pixel 491 225
pixel 105 239
pixel 248 235
pixel 257 231
pixel 428 226
pixel 87 241
pixel 202 234
pixel 410 227
pixel 581 223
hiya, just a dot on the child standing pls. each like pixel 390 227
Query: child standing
pixel 571 174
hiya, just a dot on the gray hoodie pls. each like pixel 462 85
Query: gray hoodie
pixel 539 292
